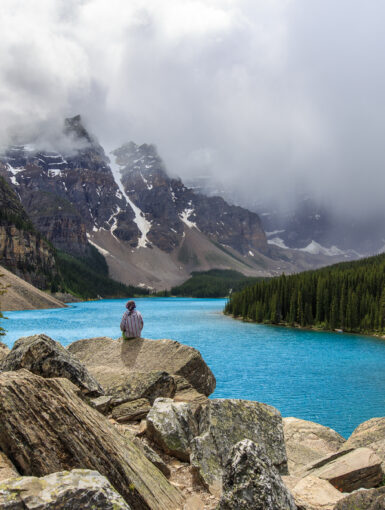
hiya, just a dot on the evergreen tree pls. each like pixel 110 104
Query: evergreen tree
pixel 349 295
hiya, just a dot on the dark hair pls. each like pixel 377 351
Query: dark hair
pixel 130 305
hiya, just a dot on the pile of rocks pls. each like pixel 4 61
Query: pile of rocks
pixel 324 467
pixel 113 424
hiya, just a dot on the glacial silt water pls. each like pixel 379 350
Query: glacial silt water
pixel 334 379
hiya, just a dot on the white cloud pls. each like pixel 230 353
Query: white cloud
pixel 272 98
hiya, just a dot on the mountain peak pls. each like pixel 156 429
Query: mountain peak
pixel 73 126
pixel 144 158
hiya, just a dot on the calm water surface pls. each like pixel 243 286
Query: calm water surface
pixel 334 379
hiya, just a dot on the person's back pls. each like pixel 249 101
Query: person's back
pixel 131 324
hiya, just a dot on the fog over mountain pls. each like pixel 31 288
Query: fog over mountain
pixel 268 99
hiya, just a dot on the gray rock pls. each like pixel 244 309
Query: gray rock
pixel 172 426
pixel 250 481
pixel 101 404
pixel 80 488
pixel 43 356
pixel 372 499
pixel 125 386
pixel 45 428
pixel 131 411
pixel 225 422
pixel 143 355
pixel 349 470
pixel 307 441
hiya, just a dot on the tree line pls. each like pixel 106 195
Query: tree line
pixel 215 283
pixel 348 296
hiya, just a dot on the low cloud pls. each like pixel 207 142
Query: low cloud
pixel 269 99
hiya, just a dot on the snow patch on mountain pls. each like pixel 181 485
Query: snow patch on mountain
pixel 313 248
pixel 149 186
pixel 274 233
pixel 101 250
pixel 142 223
pixel 54 172
pixel 185 215
pixel 14 172
pixel 277 241
pixel 114 219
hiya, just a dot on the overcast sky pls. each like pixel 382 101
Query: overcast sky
pixel 270 97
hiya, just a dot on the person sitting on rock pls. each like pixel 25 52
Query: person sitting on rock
pixel 131 324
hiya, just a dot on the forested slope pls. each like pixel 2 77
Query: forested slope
pixel 349 296
pixel 215 283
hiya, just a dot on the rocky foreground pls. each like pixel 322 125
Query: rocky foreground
pixel 111 424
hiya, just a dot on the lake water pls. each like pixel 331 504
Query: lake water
pixel 334 379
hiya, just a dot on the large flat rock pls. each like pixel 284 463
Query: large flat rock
pixel 312 493
pixel 307 441
pixel 43 356
pixel 225 422
pixel 350 470
pixel 142 355
pixel 77 489
pixel 125 386
pixel 371 434
pixel 46 428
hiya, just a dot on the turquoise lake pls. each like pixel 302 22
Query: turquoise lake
pixel 334 379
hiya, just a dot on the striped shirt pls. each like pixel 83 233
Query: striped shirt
pixel 132 324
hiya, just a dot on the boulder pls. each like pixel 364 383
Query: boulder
pixel 307 441
pixel 45 428
pixel 312 493
pixel 101 404
pixel 131 411
pixel 371 434
pixel 142 355
pixel 43 356
pixel 250 481
pixel 225 422
pixel 172 426
pixel 4 350
pixel 349 470
pixel 7 469
pixel 80 488
pixel 373 499
pixel 125 386
pixel 186 393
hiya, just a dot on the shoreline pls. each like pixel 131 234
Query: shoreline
pixel 306 328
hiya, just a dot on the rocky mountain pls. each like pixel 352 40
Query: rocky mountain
pixel 151 228
pixel 169 206
pixel 65 195
pixel 22 248
pixel 315 228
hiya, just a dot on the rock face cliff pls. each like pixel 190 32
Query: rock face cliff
pixel 22 249
pixel 170 206
pixel 65 195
